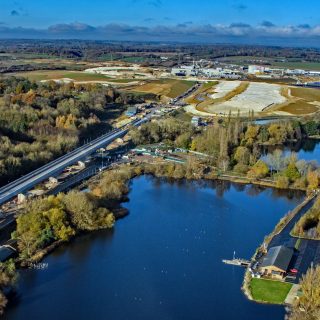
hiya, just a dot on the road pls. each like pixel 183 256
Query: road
pixel 308 252
pixel 56 166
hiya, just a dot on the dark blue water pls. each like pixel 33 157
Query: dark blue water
pixel 163 261
pixel 308 150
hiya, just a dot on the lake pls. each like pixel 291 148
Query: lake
pixel 163 261
pixel 308 149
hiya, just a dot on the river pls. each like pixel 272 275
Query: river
pixel 161 262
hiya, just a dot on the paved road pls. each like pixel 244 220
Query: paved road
pixel 54 167
pixel 308 252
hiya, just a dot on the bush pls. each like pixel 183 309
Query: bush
pixel 282 182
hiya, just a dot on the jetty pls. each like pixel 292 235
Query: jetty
pixel 238 262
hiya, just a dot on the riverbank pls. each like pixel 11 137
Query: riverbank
pixel 276 288
pixel 199 171
pixel 137 170
pixel 98 184
pixel 175 237
pixel 118 213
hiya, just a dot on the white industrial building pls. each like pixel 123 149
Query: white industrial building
pixel 195 70
pixel 185 71
pixel 253 69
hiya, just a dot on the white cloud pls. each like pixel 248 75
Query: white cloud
pixel 235 32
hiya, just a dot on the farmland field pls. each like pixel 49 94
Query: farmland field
pixel 164 87
pixel 245 60
pixel 299 108
pixel 309 94
pixel 57 74
pixel 304 101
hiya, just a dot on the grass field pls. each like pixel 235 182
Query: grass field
pixel 303 101
pixel 165 87
pixel 309 94
pixel 315 66
pixel 299 108
pixel 57 74
pixel 269 291
pixel 245 60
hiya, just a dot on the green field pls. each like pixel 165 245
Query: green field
pixel 293 64
pixel 269 291
pixel 315 66
pixel 179 87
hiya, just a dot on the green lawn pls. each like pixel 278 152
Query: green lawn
pixel 269 291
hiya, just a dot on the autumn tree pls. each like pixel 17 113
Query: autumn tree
pixel 307 306
pixel 8 276
pixel 259 170
pixel 313 180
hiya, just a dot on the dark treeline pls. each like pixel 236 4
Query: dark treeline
pixel 93 50
pixel 40 121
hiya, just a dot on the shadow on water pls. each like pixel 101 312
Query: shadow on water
pixel 223 186
pixel 163 261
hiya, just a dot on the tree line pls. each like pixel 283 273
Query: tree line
pixel 41 121
pixel 236 146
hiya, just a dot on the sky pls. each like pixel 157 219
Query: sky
pixel 280 22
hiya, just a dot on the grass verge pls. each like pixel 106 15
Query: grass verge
pixel 269 291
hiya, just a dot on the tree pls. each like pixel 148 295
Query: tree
pixel 302 167
pixel 259 170
pixel 277 133
pixel 3 302
pixel 292 172
pixel 251 134
pixel 85 214
pixel 242 155
pixel 183 140
pixel 313 180
pixel 275 160
pixel 307 307
pixel 80 209
pixel 42 222
pixel 8 278
pixel 311 128
pixel 224 163
pixel 282 182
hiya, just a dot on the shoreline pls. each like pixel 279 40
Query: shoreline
pixel 278 228
pixel 121 212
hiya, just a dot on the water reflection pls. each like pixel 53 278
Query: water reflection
pixel 163 261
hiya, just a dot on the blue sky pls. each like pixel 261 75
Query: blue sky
pixel 184 20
